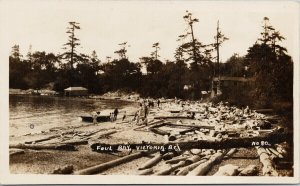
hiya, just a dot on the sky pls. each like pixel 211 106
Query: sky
pixel 105 24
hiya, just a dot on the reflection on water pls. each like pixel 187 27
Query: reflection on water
pixel 44 112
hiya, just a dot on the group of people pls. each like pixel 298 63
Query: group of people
pixel 113 115
pixel 140 116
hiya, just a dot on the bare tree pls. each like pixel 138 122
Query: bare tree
pixel 123 50
pixel 156 47
pixel 71 45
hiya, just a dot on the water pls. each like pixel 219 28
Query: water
pixel 32 114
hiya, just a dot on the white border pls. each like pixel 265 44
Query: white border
pixel 7 178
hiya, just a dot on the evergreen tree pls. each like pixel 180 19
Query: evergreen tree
pixel 271 66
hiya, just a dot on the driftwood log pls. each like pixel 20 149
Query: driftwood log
pixel 104 166
pixel 230 153
pixel 101 135
pixel 275 152
pixel 228 170
pixel 268 169
pixel 185 170
pixel 159 131
pixel 146 172
pixel 170 169
pixel 44 147
pixel 173 117
pixel 187 126
pixel 151 162
pixel 75 142
pixel 176 159
pixel 68 169
pixel 13 152
pixel 169 155
pixel 192 159
pixel 203 168
pixel 250 170
pixel 42 139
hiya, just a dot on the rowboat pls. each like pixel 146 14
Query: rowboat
pixel 99 118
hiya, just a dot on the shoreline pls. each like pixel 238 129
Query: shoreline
pixel 127 131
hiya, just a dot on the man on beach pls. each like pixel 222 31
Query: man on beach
pixel 95 115
pixel 116 111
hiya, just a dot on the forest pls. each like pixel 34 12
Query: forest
pixel 194 66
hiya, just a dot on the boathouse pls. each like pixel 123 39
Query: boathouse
pixel 76 91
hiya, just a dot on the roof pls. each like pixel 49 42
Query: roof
pixel 76 88
pixel 228 78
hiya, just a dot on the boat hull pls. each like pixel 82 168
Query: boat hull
pixel 99 118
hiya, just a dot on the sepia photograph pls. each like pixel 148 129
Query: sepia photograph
pixel 150 91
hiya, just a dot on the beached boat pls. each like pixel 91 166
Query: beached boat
pixel 99 118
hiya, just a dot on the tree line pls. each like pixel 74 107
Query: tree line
pixel 185 77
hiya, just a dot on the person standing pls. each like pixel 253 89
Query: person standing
pixel 94 115
pixel 124 116
pixel 116 111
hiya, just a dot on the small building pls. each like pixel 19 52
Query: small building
pixel 76 91
pixel 229 82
